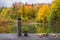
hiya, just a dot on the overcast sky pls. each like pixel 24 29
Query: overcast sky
pixel 8 3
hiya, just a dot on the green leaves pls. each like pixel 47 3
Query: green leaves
pixel 54 16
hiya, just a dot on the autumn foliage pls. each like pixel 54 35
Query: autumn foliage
pixel 29 13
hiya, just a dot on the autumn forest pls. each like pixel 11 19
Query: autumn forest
pixel 35 18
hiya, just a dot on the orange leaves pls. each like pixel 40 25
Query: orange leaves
pixel 27 8
pixel 5 26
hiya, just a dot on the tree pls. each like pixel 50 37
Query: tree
pixel 43 13
pixel 54 16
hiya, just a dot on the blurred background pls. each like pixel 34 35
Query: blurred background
pixel 38 16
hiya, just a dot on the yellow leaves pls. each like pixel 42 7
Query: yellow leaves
pixel 43 12
pixel 55 3
pixel 43 9
pixel 24 8
pixel 27 8
pixel 20 11
pixel 4 14
pixel 53 6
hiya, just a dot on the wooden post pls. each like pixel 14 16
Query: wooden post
pixel 19 27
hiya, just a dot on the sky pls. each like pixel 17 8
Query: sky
pixel 8 3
